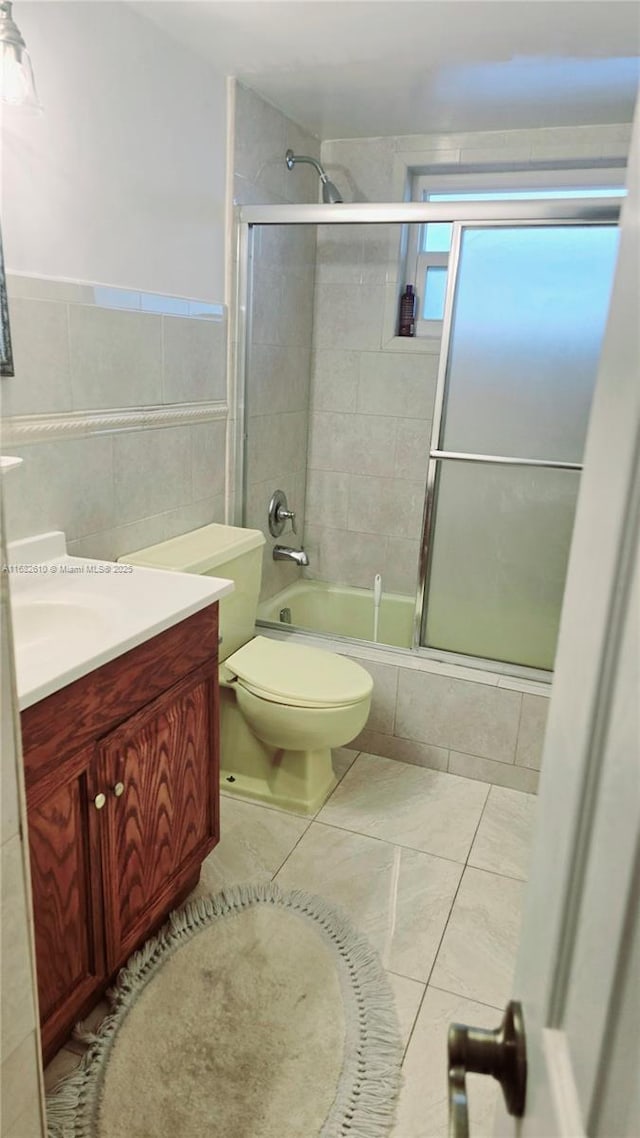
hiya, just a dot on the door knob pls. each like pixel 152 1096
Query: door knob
pixel 99 800
pixel 118 789
pixel 501 1053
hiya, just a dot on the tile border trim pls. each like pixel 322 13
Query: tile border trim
pixel 25 286
pixel 21 430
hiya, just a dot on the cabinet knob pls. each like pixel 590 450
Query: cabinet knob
pixel 118 789
pixel 99 801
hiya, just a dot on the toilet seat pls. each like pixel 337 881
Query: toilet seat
pixel 299 676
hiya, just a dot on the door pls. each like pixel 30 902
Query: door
pixel 579 962
pixel 161 768
pixel 65 881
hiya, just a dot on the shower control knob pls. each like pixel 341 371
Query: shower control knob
pixel 280 514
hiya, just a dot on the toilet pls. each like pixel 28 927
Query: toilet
pixel 283 706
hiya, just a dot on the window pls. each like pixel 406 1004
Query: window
pixel 429 245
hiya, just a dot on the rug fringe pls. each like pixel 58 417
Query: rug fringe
pixel 364 1109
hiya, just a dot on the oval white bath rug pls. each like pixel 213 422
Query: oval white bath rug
pixel 252 1014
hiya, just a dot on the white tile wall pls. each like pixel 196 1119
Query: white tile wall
pixel 115 357
pixel 532 727
pixel 86 348
pixel 357 372
pixel 468 726
pixel 464 716
pixel 278 373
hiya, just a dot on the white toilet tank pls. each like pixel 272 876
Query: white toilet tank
pixel 216 551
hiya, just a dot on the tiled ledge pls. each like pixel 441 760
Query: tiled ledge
pixel 402 658
pixel 23 429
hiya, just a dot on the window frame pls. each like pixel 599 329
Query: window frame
pixel 424 186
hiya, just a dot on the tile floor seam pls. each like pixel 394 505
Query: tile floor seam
pixel 387 842
pixel 413 1026
pixel 392 972
pixel 493 873
pixel 496 873
pixel 293 848
pixel 444 930
pixel 475 833
pixel 460 995
pixel 435 957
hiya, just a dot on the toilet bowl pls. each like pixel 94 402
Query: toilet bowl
pixel 283 706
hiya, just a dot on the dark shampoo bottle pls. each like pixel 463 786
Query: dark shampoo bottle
pixel 407 323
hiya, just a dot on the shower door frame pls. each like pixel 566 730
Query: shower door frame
pixel 437 456
pixel 463 214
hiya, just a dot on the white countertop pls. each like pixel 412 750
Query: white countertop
pixel 73 614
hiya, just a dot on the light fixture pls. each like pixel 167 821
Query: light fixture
pixel 17 85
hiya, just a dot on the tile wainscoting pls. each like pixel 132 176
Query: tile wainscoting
pixel 474 726
pixel 118 408
pixel 482 725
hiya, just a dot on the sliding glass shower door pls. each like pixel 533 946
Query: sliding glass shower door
pixel 523 330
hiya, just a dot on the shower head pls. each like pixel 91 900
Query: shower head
pixel 330 193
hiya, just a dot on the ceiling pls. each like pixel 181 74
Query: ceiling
pixel 359 68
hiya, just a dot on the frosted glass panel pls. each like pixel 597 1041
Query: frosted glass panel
pixel 499 560
pixel 530 311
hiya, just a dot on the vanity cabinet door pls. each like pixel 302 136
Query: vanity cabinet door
pixel 64 848
pixel 161 770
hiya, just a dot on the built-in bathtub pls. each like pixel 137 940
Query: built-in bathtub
pixel 339 610
pixel 481 724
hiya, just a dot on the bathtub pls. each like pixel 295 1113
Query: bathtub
pixel 339 610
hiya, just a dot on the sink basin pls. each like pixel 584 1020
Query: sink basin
pixel 71 615
pixel 36 622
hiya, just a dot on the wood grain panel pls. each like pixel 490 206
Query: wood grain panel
pixel 66 891
pixel 67 720
pixel 166 820
pixel 103 880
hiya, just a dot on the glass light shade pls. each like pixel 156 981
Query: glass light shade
pixel 17 84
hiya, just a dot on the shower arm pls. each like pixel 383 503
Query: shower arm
pixel 293 159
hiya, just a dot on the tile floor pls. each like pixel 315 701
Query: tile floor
pixel 432 868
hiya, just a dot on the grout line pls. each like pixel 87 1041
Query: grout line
pixel 395 845
pixel 495 873
pixel 475 833
pixel 437 953
pixel 515 746
pixel 463 996
pixel 446 924
pixel 294 847
pixel 418 1009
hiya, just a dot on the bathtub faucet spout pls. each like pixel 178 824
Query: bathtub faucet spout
pixel 284 553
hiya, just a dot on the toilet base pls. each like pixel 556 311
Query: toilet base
pixel 292 780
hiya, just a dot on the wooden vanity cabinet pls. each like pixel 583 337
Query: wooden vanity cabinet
pixel 122 776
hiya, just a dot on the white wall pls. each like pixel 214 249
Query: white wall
pixel 122 179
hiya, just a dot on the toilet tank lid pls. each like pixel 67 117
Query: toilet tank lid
pixel 198 551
